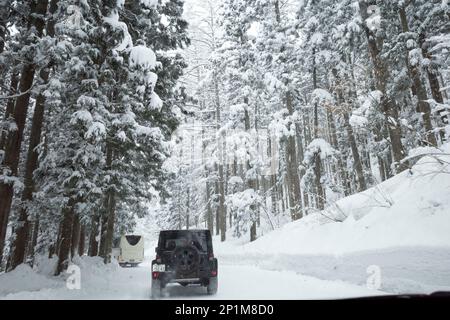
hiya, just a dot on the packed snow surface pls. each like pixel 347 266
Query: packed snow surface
pixel 112 282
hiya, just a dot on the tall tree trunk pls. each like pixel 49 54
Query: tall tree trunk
pixel 277 10
pixel 257 182
pixel 23 226
pixel 3 20
pixel 75 236
pixel 351 137
pixel 58 237
pixel 29 254
pixel 432 74
pixel 422 98
pixel 110 210
pixel 281 196
pixel 216 200
pixel 433 80
pixel 306 128
pixel 233 173
pixel 335 144
pixel 300 157
pixel 382 168
pixel 251 182
pixel 110 226
pixel 294 193
pixel 9 109
pixel 388 105
pixel 103 226
pixel 355 153
pixel 15 137
pixel 378 136
pixel 388 158
pixel 320 194
pixel 273 153
pixel 82 242
pixel 209 213
pixel 222 214
pixel 65 238
pixel 93 242
pixel 5 6
pixel 222 210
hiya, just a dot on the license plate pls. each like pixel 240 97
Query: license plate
pixel 159 267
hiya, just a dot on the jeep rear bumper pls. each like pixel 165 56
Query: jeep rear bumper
pixel 172 277
pixel 198 277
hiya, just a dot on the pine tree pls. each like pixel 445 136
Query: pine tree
pixel 10 161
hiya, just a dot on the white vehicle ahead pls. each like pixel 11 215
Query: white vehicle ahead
pixel 129 250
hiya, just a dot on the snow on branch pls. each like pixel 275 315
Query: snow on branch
pixel 319 146
pixel 321 96
pixel 143 56
pixel 113 21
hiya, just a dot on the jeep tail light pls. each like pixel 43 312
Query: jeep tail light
pixel 211 256
pixel 158 259
pixel 155 274
pixel 214 273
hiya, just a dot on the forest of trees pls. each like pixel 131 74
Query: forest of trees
pixel 84 128
pixel 259 114
pixel 338 91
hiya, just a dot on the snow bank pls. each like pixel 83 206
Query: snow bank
pixel 402 270
pixel 410 209
pixel 24 278
pixel 45 266
pixel 97 281
pixel 402 225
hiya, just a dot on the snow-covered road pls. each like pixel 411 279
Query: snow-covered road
pixel 245 274
pixel 250 282
pixel 235 282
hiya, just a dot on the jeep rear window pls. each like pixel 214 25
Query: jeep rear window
pixel 169 240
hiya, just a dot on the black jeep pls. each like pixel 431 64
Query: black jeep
pixel 185 257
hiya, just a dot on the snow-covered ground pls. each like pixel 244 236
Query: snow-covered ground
pixel 235 281
pixel 400 269
pixel 393 238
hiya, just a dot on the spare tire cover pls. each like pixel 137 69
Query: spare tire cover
pixel 186 259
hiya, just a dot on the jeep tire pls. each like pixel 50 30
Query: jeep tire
pixel 156 289
pixel 211 288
